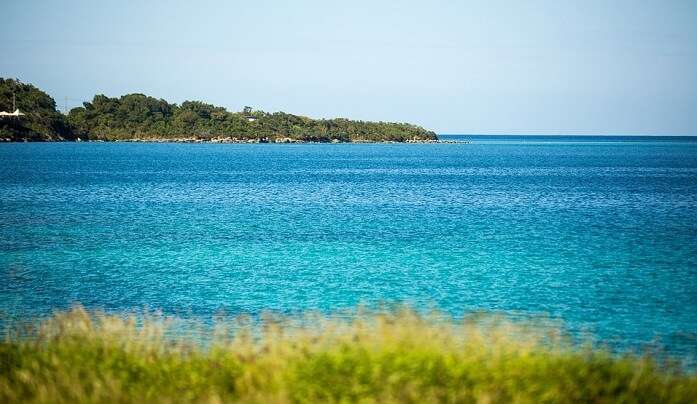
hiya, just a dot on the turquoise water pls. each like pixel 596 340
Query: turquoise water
pixel 600 232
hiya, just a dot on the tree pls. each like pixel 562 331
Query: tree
pixel 141 116
pixel 41 121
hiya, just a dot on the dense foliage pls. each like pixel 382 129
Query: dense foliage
pixel 79 357
pixel 139 116
pixel 41 120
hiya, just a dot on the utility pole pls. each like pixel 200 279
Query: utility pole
pixel 65 105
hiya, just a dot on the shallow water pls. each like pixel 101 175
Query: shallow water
pixel 600 232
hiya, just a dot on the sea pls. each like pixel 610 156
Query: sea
pixel 597 233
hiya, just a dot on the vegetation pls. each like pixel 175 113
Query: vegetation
pixel 79 357
pixel 41 122
pixel 137 116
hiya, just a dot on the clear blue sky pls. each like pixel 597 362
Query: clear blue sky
pixel 608 66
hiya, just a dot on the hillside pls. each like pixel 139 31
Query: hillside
pixel 137 116
pixel 140 117
pixel 41 122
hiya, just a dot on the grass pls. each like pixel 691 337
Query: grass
pixel 400 356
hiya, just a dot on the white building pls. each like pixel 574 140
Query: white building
pixel 4 114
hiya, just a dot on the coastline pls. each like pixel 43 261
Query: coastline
pixel 234 140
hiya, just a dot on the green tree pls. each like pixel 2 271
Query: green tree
pixel 41 121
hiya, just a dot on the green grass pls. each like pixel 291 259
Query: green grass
pixel 78 357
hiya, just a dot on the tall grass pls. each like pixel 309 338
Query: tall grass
pixel 79 357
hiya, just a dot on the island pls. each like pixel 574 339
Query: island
pixel 138 117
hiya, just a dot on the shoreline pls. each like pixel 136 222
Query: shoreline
pixel 229 140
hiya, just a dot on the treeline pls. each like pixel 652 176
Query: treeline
pixel 137 116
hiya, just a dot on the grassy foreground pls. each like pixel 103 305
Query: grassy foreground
pixel 79 357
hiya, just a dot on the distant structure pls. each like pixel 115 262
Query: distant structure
pixel 247 111
pixel 16 114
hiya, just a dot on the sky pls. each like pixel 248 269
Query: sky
pixel 489 67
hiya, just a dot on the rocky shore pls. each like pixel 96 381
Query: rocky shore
pixel 235 140
pixel 286 140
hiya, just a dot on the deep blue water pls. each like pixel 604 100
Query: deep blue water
pixel 600 232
